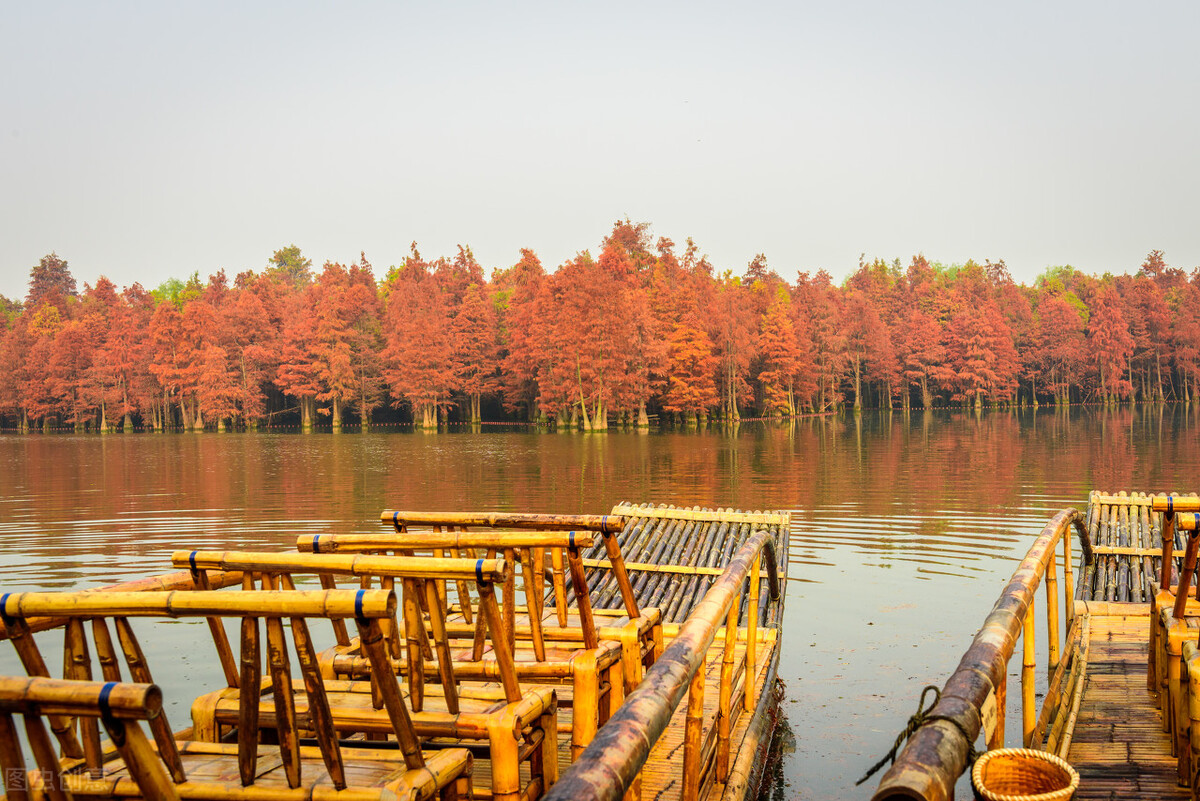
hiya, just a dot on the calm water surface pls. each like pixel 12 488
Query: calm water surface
pixel 904 528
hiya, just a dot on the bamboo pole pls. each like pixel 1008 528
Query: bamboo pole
pixel 44 757
pixel 163 583
pixel 445 661
pixel 490 611
pixel 1029 664
pixel 725 704
pixel 610 522
pixel 217 630
pixel 1069 576
pixel 752 637
pixel 1053 638
pixel 496 570
pixel 560 585
pixel 77 665
pixel 12 760
pixel 533 605
pixel 249 680
pixel 414 632
pixel 693 732
pixel 250 603
pixel 318 701
pixel 371 639
pixel 285 701
pixel 582 599
pixel 431 540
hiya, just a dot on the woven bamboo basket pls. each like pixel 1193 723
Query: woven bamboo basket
pixel 1022 774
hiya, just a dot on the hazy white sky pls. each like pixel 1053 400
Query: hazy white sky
pixel 149 140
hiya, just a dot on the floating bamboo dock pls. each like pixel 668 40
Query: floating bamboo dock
pixel 1122 698
pixel 470 662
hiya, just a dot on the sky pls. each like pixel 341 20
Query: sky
pixel 143 141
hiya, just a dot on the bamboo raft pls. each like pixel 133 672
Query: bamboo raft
pixel 469 663
pixel 1121 703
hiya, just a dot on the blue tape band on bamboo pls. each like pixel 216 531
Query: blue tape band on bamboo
pixel 1198 522
pixel 572 540
pixel 192 559
pixel 1170 505
pixel 479 570
pixel 317 543
pixel 4 605
pixel 358 604
pixel 604 523
pixel 396 520
pixel 105 709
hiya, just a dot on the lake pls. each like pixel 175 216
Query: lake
pixel 905 528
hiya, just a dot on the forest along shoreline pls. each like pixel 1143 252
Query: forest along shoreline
pixel 645 332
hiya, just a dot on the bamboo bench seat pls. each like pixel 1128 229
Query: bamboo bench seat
pixel 248 768
pixel 518 726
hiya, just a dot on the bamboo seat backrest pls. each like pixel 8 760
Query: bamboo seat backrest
pixel 526 548
pixel 607 526
pixel 419 578
pixel 366 607
pixel 522 731
pixel 117 706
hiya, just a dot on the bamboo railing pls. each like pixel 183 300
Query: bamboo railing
pixel 610 765
pixel 974 697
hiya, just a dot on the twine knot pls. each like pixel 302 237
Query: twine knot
pixel 920 718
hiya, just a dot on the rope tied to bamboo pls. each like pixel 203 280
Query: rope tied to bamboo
pixel 921 718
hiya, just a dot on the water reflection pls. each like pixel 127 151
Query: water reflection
pixel 905 526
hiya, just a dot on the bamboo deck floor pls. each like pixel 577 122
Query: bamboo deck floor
pixel 663 772
pixel 1119 747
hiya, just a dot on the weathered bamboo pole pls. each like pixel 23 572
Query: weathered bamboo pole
pixel 496 570
pixel 318 701
pixel 402 519
pixel 1028 666
pixel 1191 524
pixel 608 766
pixel 12 760
pixel 164 583
pixel 252 603
pixel 752 636
pixel 36 694
pixel 936 754
pixel 1053 640
pixel 692 737
pixel 285 701
pixel 725 704
pixel 428 540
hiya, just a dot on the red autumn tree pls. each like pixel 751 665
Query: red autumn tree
pixel 418 358
pixel 521 328
pixel 1110 345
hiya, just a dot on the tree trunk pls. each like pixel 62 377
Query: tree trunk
pixel 335 414
pixel 307 413
pixel 643 420
pixel 857 386
pixel 1158 366
pixel 429 419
